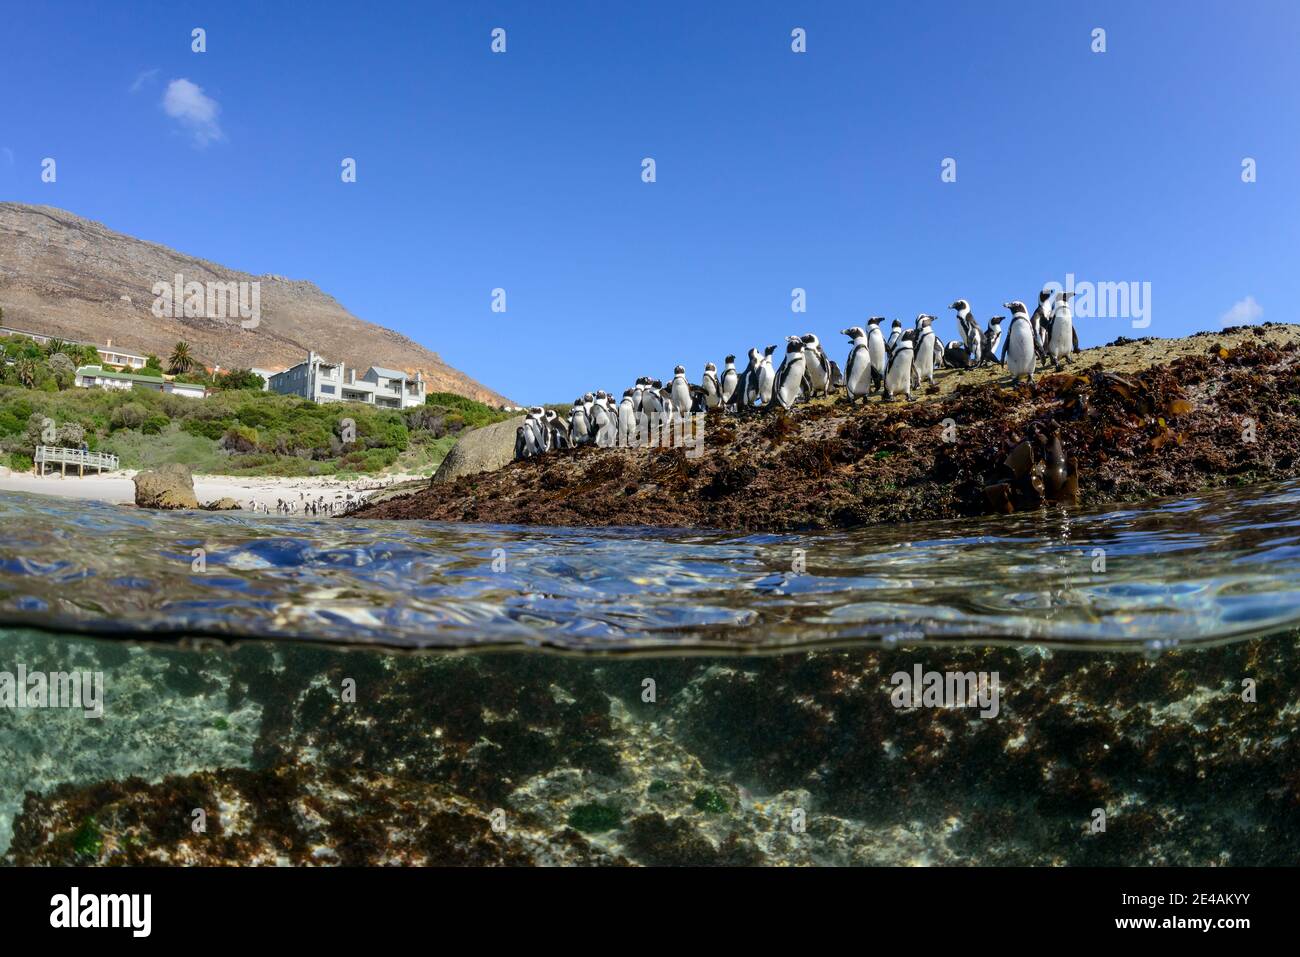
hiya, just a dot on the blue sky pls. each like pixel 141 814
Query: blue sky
pixel 775 170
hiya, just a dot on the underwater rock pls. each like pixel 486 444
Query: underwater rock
pixel 282 816
pixel 798 759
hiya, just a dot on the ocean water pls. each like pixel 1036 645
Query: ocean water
pixel 1057 687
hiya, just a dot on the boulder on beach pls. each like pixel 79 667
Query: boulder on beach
pixel 482 450
pixel 168 486
pixel 226 504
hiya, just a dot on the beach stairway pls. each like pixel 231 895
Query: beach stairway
pixel 50 455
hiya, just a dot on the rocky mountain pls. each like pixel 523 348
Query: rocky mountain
pixel 65 276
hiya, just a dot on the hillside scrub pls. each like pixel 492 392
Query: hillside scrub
pixel 235 432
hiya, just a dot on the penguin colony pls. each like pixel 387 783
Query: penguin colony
pixel 892 366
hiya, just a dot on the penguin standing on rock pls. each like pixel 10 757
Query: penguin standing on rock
pixel 789 378
pixel 579 424
pixel 1061 338
pixel 730 382
pixel 992 339
pixel 817 368
pixel 766 377
pixel 895 333
pixel 971 335
pixel 626 437
pixel 1039 321
pixel 712 397
pixel 1019 354
pixel 681 390
pixel 558 429
pixel 899 374
pixel 859 376
pixel 877 352
pixel 923 357
pixel 604 426
pixel 747 386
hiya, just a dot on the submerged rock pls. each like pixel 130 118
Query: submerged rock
pixel 1187 757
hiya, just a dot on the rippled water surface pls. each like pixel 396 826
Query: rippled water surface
pixel 1214 567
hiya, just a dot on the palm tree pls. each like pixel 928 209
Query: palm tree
pixel 55 346
pixel 25 369
pixel 181 360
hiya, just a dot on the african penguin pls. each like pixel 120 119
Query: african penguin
pixel 789 378
pixel 1018 354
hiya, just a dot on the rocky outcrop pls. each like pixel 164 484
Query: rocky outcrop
pixel 65 276
pixel 168 486
pixel 482 450
pixel 1120 424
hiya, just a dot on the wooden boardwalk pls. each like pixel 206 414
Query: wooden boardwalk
pixel 47 455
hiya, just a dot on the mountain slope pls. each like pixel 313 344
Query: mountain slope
pixel 66 276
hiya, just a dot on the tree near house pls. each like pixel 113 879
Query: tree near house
pixel 27 371
pixel 181 360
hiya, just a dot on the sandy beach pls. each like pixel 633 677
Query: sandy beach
pixel 117 488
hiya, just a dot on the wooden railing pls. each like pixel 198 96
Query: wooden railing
pixel 47 455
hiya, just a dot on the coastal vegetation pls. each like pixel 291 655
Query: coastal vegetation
pixel 236 430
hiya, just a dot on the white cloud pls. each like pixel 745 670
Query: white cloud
pixel 143 79
pixel 1243 312
pixel 197 112
pixel 9 154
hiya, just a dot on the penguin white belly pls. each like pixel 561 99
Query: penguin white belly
pixel 876 349
pixel 766 382
pixel 816 371
pixel 681 397
pixel 898 377
pixel 791 382
pixel 1020 349
pixel 924 358
pixel 1062 337
pixel 858 379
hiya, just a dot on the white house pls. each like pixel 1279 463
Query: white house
pixel 91 376
pixel 323 381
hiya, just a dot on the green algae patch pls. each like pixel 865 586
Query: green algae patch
pixel 594 818
pixel 88 841
pixel 709 801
